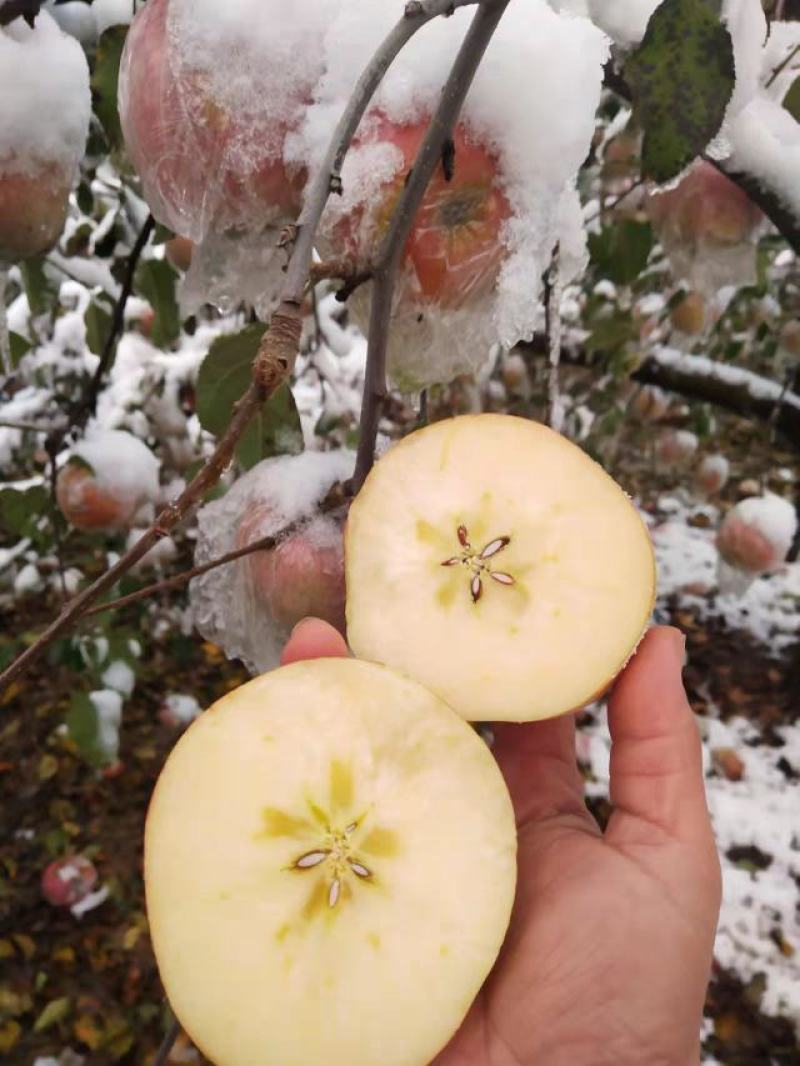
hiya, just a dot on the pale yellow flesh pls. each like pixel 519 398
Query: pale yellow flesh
pixel 579 555
pixel 256 963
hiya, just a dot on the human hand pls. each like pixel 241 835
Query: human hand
pixel 608 953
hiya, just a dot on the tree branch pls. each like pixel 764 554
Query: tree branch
pixel 281 342
pixel 334 500
pixel 86 407
pixel 770 203
pixel 465 67
pixel 697 377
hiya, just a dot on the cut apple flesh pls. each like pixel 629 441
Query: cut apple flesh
pixel 490 559
pixel 330 862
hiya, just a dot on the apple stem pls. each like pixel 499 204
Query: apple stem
pixel 440 130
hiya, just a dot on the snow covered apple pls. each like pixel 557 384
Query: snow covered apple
pixel 345 901
pixel 303 576
pixel 249 607
pixel 67 881
pixel 108 477
pixel 204 162
pixel 712 474
pixel 756 534
pixel 650 403
pixel 46 109
pixel 708 226
pixel 455 247
pixel 490 559
pixel 675 448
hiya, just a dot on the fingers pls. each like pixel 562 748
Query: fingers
pixel 538 762
pixel 656 757
pixel 314 639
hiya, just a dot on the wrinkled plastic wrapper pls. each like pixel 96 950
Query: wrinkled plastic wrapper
pixel 248 607
pixel 444 301
pixel 210 172
pixel 709 230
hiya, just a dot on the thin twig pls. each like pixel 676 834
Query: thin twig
pixel 280 345
pixel 167 1044
pixel 86 407
pixel 55 510
pixel 440 130
pixel 613 204
pixel 332 501
pixel 782 66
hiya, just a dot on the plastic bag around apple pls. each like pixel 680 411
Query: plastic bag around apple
pixel 709 229
pixel 248 607
pixel 207 96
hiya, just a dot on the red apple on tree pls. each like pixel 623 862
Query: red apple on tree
pixel 33 207
pixel 705 206
pixel 303 575
pixel 186 142
pixel 455 248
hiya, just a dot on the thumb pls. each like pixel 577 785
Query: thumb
pixel 313 639
pixel 656 755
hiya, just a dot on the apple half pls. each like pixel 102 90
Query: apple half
pixel 330 864
pixel 493 561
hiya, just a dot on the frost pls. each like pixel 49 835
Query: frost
pixel 44 86
pixel 120 677
pixel 277 492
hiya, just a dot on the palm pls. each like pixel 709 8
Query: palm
pixel 608 952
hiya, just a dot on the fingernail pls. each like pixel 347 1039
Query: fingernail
pixel 299 626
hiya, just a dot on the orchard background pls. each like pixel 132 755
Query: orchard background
pixel 185 384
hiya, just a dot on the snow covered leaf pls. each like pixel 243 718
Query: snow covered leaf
pixel 682 77
pixel 39 288
pixel 156 280
pixel 105 77
pixel 224 378
pixel 621 251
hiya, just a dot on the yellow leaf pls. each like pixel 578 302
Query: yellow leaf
pixel 10 693
pixel 9 1035
pixel 64 954
pixel 25 943
pixel 87 1032
pixel 48 767
pixel 6 949
pixel 55 1012
pixel 130 938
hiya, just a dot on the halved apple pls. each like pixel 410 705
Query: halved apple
pixel 330 868
pixel 493 561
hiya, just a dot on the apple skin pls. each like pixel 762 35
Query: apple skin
pixel 650 403
pixel 67 881
pixel 712 474
pixel 302 577
pixel 180 140
pixel 789 338
pixel 455 248
pixel 33 209
pixel 89 506
pixel 705 206
pixel 690 315
pixel 675 448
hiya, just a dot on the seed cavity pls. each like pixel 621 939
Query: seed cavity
pixel 478 564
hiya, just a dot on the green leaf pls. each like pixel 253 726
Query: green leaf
pixel 83 727
pixel 98 327
pixel 682 77
pixel 19 346
pixel 156 280
pixel 224 378
pixel 39 289
pixel 105 78
pixel 610 334
pixel 620 252
pixel 792 100
pixel 21 510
